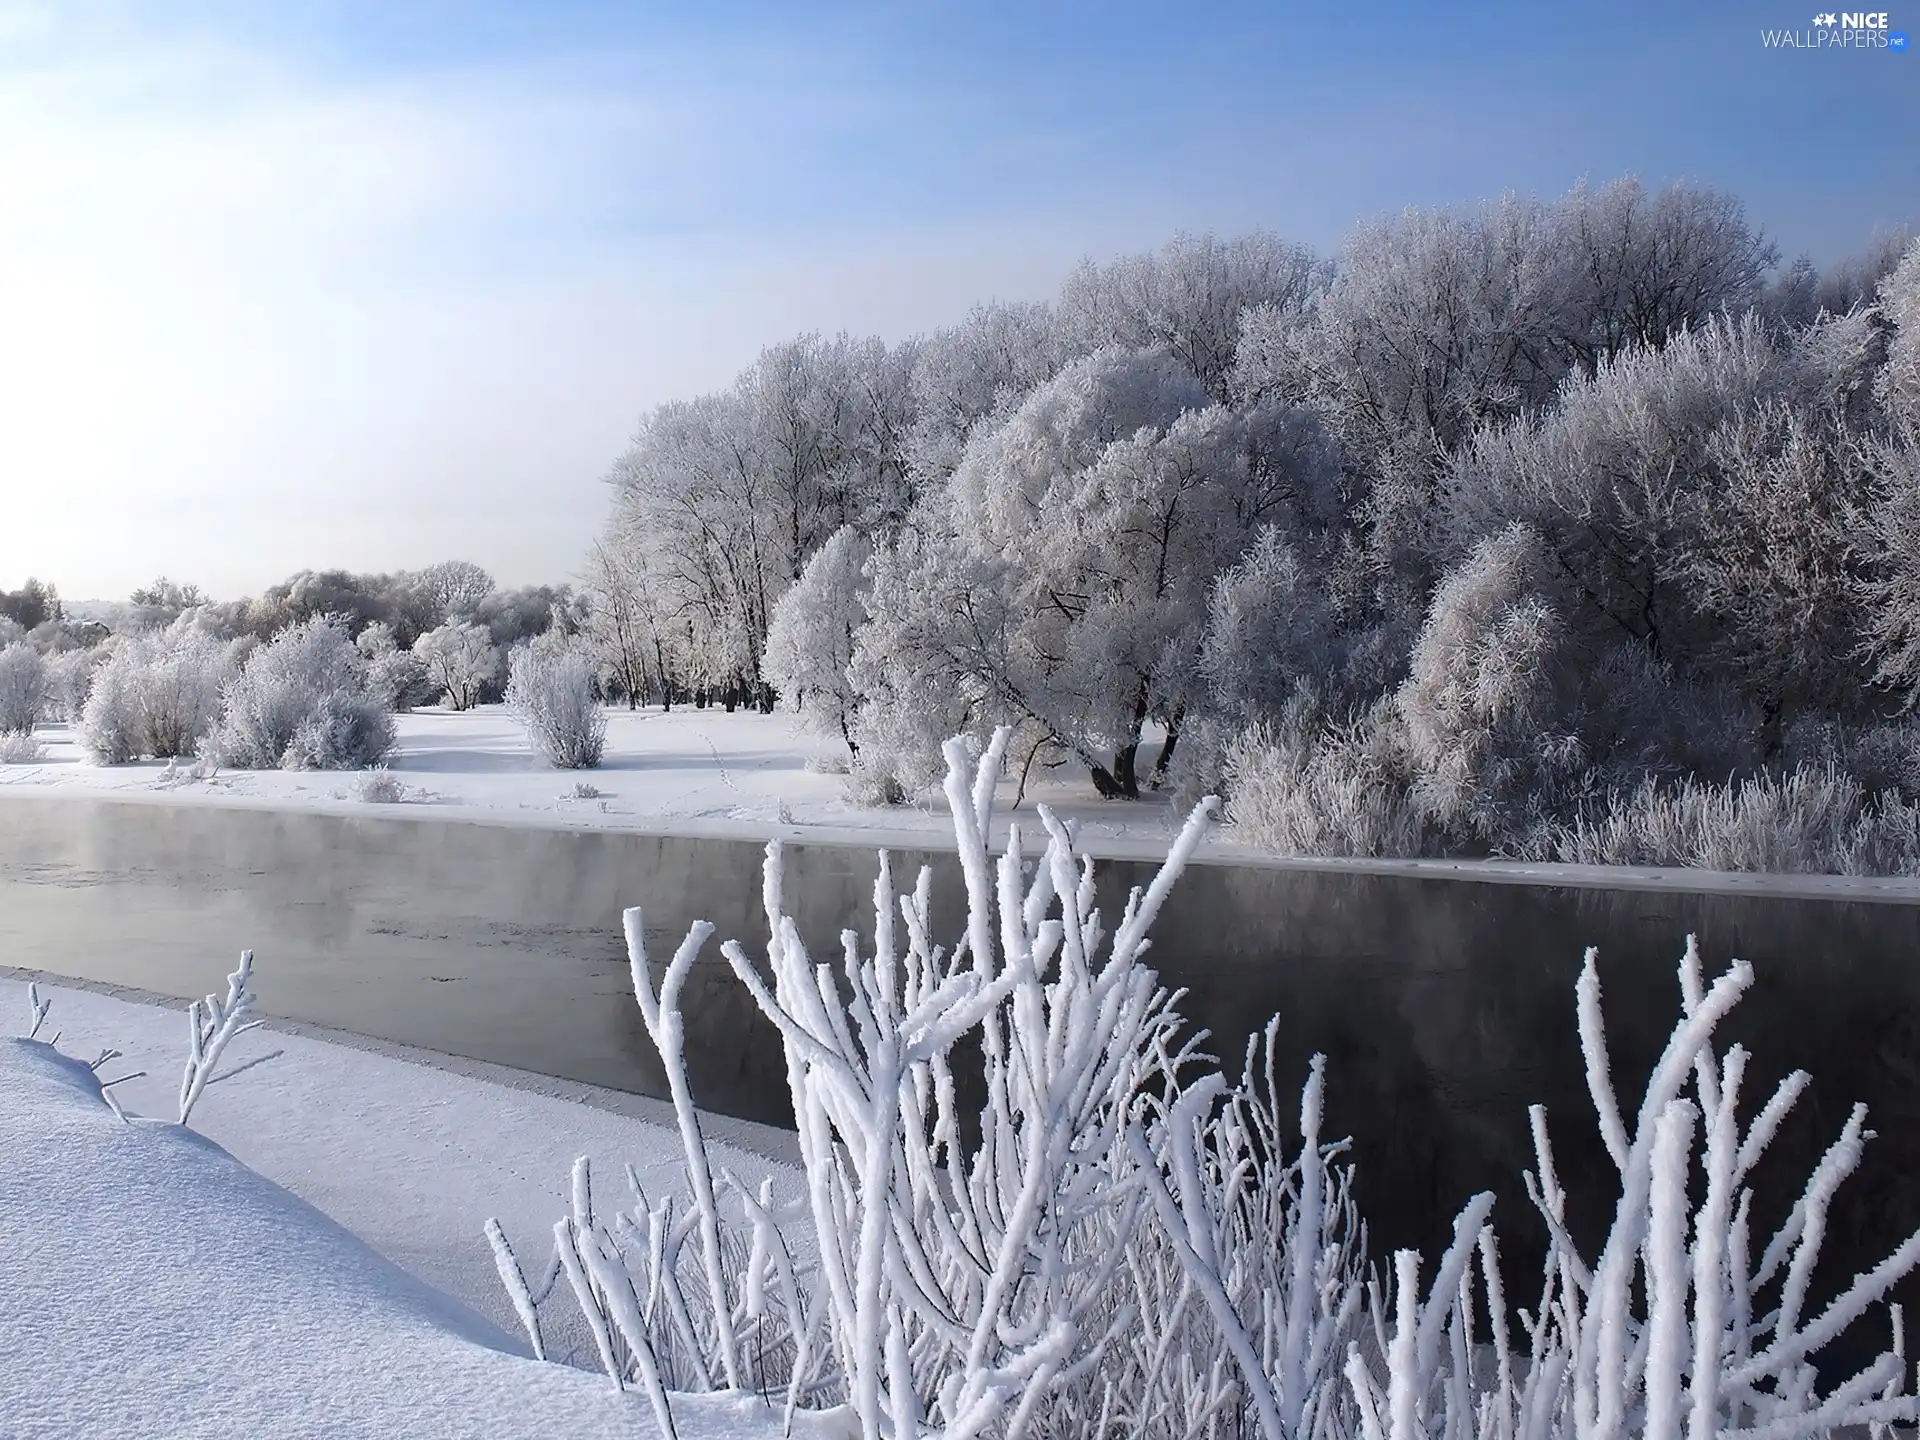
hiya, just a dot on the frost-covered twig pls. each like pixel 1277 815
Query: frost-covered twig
pixel 36 1010
pixel 211 1024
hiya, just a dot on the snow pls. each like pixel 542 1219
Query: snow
pixel 746 776
pixel 312 1261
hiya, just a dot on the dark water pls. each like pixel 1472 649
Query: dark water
pixel 1445 1006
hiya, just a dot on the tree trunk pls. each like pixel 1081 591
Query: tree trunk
pixel 1127 757
pixel 1166 751
pixel 1104 782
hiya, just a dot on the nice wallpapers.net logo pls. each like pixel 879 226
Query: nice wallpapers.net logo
pixel 1841 30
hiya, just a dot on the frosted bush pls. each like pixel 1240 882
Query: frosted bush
pixel 69 678
pixel 380 786
pixel 1481 699
pixel 344 731
pixel 550 690
pixel 396 679
pixel 20 749
pixel 154 695
pixel 1128 1244
pixel 1815 819
pixel 23 688
pixel 301 702
pixel 180 692
pixel 1301 787
pixel 111 725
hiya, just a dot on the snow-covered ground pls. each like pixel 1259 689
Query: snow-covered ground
pixel 747 776
pixel 318 1270
pixel 687 771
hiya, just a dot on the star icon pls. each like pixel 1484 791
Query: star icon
pixel 1829 19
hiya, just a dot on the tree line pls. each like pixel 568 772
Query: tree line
pixel 1450 540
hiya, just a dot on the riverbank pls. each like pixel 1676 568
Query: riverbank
pixel 705 774
pixel 410 1152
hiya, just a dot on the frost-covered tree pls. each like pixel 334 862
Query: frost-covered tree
pixel 23 688
pixel 810 643
pixel 622 627
pixel 1899 384
pixel 936 659
pixel 1188 299
pixel 1101 507
pixel 168 595
pixel 980 368
pixel 460 658
pixel 723 500
pixel 301 702
pixel 1774 571
pixel 451 589
pixel 1642 266
pixel 32 604
pixel 396 678
pixel 511 617
pixel 1612 478
pixel 1271 633
pixel 1439 321
pixel 1891 526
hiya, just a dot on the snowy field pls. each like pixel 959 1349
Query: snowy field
pixel 754 777
pixel 320 1269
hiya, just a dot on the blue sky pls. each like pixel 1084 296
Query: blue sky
pixel 375 284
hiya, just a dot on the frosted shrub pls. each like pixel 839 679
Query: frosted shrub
pixel 1814 820
pixel 212 1024
pixel 180 692
pixel 380 786
pixel 111 724
pixel 18 748
pixel 154 695
pixel 1127 1244
pixel 1673 1322
pixel 69 678
pixel 1301 787
pixel 345 731
pixel 301 702
pixel 550 691
pixel 23 688
pixel 1481 700
pixel 396 678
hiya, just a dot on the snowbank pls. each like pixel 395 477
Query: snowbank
pixel 158 1286
pixel 409 1154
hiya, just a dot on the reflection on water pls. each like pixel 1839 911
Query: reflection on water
pixel 1445 1006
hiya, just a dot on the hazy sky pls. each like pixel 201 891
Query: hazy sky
pixel 383 283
